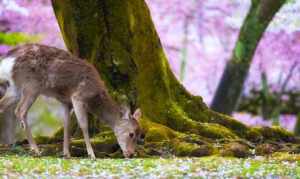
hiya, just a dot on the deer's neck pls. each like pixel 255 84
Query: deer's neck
pixel 110 113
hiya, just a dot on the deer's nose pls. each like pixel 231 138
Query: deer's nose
pixel 130 155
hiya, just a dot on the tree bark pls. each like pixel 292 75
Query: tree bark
pixel 232 81
pixel 119 38
pixel 297 126
pixel 8 127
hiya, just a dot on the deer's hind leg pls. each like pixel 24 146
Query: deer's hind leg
pixel 28 96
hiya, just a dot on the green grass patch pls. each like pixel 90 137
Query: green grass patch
pixel 219 167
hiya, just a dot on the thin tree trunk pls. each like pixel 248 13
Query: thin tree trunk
pixel 231 84
pixel 297 126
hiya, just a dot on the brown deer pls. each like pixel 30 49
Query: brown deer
pixel 32 70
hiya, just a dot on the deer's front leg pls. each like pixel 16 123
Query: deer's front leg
pixel 81 114
pixel 27 99
pixel 66 146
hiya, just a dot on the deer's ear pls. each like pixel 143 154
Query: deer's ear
pixel 137 114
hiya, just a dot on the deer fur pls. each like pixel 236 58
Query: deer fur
pixel 32 70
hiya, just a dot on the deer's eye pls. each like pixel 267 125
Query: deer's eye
pixel 131 135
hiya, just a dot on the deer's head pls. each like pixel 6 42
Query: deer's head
pixel 128 131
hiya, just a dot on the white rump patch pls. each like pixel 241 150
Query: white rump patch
pixel 6 67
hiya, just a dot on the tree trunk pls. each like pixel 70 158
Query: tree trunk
pixel 8 127
pixel 119 38
pixel 297 126
pixel 231 84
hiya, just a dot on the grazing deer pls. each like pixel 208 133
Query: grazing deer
pixel 32 70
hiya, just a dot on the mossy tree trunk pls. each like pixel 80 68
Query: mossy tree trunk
pixel 119 38
pixel 231 84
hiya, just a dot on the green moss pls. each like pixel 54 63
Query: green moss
pixel 177 119
pixel 103 147
pixel 189 149
pixel 239 128
pixel 184 149
pixel 156 132
pixel 239 51
pixel 58 135
pixel 161 140
pixel 156 135
pixel 235 149
pixel 259 134
pixel 46 140
pixel 215 131
pixel 254 135
pixel 106 134
pixel 276 134
pixel 196 139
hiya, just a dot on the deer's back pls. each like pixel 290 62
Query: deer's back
pixel 54 71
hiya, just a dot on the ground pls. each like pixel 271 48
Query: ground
pixel 277 165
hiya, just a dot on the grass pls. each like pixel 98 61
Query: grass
pixel 216 167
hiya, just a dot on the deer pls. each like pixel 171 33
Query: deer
pixel 31 70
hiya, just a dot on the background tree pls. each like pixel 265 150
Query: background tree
pixel 297 126
pixel 236 71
